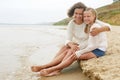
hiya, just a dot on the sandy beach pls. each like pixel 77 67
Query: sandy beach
pixel 108 66
pixel 26 45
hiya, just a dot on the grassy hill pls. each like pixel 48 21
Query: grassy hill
pixel 109 13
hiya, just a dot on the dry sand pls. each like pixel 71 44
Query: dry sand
pixel 22 47
pixel 108 66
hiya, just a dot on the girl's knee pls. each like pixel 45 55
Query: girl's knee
pixel 87 56
pixel 82 57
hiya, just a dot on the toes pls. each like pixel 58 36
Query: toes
pixel 43 72
pixel 32 68
pixel 53 74
pixel 35 69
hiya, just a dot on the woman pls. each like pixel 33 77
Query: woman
pixel 76 40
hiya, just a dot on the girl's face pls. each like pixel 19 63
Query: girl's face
pixel 89 17
pixel 78 15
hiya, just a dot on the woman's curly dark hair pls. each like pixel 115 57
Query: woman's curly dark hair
pixel 76 5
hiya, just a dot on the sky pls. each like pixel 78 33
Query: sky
pixel 40 11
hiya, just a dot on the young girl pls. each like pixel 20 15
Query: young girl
pixel 96 44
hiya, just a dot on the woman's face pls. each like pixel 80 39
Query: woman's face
pixel 89 17
pixel 78 15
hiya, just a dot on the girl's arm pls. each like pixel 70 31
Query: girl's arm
pixel 93 42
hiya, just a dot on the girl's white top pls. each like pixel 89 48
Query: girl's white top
pixel 87 43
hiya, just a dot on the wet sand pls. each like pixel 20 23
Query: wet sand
pixel 71 73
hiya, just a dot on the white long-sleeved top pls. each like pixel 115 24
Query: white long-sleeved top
pixel 99 41
pixel 75 33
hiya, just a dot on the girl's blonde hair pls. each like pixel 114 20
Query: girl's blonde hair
pixel 94 12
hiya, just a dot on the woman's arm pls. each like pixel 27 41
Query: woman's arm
pixel 69 35
pixel 104 27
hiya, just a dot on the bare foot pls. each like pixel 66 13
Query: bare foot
pixel 54 73
pixel 46 73
pixel 36 68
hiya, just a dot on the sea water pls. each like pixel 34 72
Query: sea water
pixel 24 45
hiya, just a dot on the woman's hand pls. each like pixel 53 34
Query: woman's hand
pixel 95 31
pixel 73 46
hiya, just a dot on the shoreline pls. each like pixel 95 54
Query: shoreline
pixel 18 44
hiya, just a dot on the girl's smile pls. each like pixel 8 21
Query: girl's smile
pixel 89 17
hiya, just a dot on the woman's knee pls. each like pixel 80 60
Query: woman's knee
pixel 64 47
pixel 74 57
